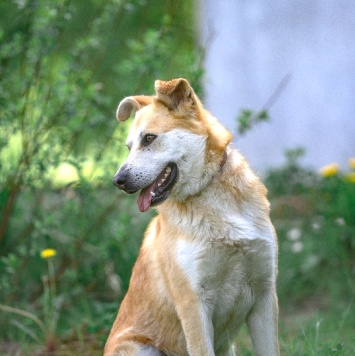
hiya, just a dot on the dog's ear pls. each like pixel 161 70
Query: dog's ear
pixel 174 92
pixel 131 104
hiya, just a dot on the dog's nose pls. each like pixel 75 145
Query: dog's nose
pixel 120 178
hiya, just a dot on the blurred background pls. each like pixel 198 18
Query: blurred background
pixel 303 50
pixel 281 77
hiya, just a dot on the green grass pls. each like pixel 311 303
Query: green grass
pixel 319 332
pixel 310 331
pixel 302 333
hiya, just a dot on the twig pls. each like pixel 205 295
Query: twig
pixel 277 92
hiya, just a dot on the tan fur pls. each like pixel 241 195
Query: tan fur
pixel 208 261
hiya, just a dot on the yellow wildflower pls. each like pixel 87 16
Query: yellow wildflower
pixel 352 163
pixel 350 177
pixel 48 253
pixel 329 170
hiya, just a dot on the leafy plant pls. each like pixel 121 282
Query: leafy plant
pixel 248 118
pixel 48 326
pixel 64 66
pixel 314 217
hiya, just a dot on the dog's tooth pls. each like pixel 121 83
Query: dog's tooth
pixel 159 184
pixel 166 174
pixel 163 180
pixel 168 169
pixel 152 194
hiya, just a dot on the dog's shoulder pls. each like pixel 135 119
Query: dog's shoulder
pixel 240 180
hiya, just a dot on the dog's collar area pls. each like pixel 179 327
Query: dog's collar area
pixel 224 160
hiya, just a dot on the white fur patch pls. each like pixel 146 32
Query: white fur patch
pixel 191 257
pixel 146 163
pixel 187 255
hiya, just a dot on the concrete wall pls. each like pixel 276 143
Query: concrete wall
pixel 251 45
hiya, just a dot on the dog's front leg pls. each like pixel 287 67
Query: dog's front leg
pixel 193 304
pixel 197 326
pixel 262 323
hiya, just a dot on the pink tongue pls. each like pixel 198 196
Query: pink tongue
pixel 145 199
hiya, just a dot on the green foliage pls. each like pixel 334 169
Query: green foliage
pixel 247 119
pixel 291 178
pixel 96 236
pixel 64 66
pixel 316 226
pixel 314 217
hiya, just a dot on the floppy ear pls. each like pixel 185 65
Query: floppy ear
pixel 131 104
pixel 173 92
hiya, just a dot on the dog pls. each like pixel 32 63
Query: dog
pixel 208 261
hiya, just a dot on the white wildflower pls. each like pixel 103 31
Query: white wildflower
pixel 297 247
pixel 294 234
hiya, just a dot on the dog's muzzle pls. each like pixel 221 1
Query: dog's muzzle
pixel 120 180
pixel 153 192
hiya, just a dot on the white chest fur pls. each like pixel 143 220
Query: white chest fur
pixel 210 267
pixel 228 263
pixel 227 280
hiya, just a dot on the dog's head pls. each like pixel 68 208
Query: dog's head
pixel 175 145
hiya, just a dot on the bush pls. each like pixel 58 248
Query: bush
pixel 315 221
pixel 64 66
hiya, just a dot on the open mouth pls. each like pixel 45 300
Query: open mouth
pixel 159 190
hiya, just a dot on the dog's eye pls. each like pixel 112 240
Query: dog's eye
pixel 148 139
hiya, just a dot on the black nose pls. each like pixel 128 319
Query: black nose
pixel 120 178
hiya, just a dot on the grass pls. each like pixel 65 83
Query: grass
pixel 311 332
pixel 302 333
pixel 316 332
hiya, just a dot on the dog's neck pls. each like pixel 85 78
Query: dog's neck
pixel 178 212
pixel 209 176
pixel 224 159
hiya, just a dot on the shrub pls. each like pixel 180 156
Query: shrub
pixel 64 66
pixel 315 221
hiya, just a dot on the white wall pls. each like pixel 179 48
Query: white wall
pixel 252 44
